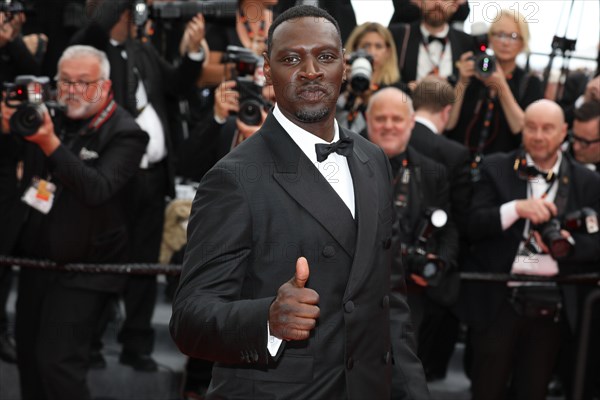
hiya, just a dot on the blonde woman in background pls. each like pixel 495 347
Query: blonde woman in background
pixel 376 40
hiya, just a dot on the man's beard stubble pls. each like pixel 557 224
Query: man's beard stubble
pixel 312 116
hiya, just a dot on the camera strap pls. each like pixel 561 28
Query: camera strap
pixel 477 154
pixel 101 117
pixel 436 65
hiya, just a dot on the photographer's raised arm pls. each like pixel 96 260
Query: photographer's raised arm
pixel 512 110
pixel 466 69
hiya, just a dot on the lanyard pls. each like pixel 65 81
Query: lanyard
pixel 436 66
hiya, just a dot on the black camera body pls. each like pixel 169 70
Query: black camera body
pixel 584 220
pixel 485 64
pixel 361 72
pixel 183 10
pixel 10 9
pixel 31 96
pixel 418 265
pixel 250 100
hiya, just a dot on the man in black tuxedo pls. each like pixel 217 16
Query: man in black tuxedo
pixel 72 180
pixel 516 329
pixel 433 98
pixel 430 46
pixel 286 278
pixel 143 83
pixel 408 11
pixel 420 186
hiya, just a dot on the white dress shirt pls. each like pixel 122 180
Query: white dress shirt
pixel 428 60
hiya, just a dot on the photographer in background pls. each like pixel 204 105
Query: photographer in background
pixel 15 59
pixel 217 135
pixel 488 114
pixel 142 82
pixel 72 179
pixel 521 208
pixel 423 253
pixel 372 64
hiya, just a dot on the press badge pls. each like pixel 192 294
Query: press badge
pixel 40 195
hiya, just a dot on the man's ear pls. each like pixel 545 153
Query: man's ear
pixel 267 69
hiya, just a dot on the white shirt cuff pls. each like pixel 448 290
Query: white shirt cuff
pixel 196 55
pixel 220 120
pixel 508 214
pixel 273 343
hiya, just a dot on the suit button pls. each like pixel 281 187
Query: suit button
pixel 350 363
pixel 386 358
pixel 385 302
pixel 349 306
pixel 328 251
pixel 387 243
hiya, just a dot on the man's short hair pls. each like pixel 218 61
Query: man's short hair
pixel 300 12
pixel 433 94
pixel 588 111
pixel 78 51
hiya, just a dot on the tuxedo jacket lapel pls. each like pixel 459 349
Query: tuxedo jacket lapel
pixel 294 172
pixel 412 53
pixel 366 200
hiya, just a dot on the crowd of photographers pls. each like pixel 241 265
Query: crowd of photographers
pixel 489 176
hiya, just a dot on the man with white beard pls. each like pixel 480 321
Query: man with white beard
pixel 72 177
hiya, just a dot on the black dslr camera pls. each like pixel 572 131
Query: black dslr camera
pixel 31 96
pixel 361 72
pixel 10 9
pixel 584 220
pixel 485 63
pixel 415 256
pixel 251 100
pixel 183 10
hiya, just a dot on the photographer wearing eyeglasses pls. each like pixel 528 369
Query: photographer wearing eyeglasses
pixel 71 177
pixel 584 138
pixel 488 114
pixel 521 223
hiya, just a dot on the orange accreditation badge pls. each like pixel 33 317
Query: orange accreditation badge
pixel 40 195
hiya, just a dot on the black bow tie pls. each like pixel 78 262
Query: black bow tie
pixel 432 38
pixel 532 172
pixel 342 147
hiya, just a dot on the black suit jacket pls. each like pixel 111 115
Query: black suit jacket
pixel 408 49
pixel 259 209
pixel 455 157
pixel 162 81
pixel 87 223
pixel 494 250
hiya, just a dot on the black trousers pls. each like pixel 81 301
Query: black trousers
pixel 436 332
pixel 147 214
pixel 517 350
pixel 5 284
pixel 54 330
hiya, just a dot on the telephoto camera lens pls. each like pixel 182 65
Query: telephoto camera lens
pixel 559 246
pixel 250 112
pixel 27 119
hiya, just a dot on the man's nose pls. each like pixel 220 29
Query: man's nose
pixel 311 69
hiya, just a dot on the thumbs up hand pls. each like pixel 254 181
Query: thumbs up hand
pixel 294 312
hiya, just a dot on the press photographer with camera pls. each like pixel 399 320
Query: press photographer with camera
pixel 534 212
pixel 488 114
pixel 424 239
pixel 218 134
pixel 72 179
pixel 371 64
pixel 144 84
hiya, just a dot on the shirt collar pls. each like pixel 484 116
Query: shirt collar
pixel 427 123
pixel 303 138
pixel 555 168
pixel 442 34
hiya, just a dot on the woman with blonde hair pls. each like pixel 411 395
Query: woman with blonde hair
pixel 377 41
pixel 488 114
